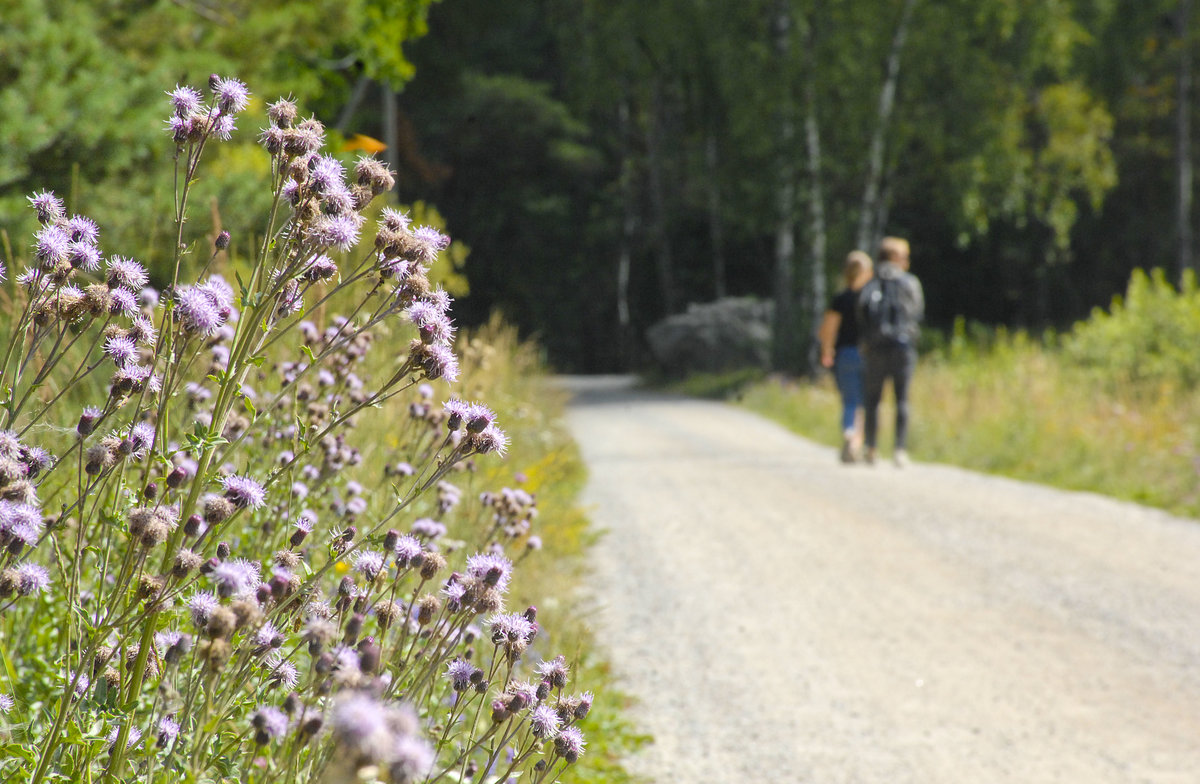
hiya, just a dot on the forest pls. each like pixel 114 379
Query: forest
pixel 602 164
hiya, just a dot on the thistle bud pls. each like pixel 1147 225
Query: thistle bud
pixel 222 241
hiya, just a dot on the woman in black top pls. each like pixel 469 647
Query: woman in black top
pixel 839 349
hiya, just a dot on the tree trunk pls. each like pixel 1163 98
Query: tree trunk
pixel 625 244
pixel 715 231
pixel 658 202
pixel 869 232
pixel 356 97
pixel 1183 142
pixel 786 349
pixel 391 129
pixel 816 203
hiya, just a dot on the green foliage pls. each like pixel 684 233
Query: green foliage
pixel 1148 337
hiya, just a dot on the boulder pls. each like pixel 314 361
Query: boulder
pixel 712 337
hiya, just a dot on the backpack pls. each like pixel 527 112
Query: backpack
pixel 884 312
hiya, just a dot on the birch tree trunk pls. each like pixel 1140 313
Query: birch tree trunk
pixel 785 345
pixel 1183 142
pixel 816 202
pixel 658 203
pixel 625 244
pixel 870 232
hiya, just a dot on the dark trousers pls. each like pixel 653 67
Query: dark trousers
pixel 881 362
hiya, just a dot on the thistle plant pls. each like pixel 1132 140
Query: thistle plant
pixel 201 578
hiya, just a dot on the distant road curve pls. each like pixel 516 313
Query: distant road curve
pixel 783 618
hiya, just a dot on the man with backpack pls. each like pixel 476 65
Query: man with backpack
pixel 890 309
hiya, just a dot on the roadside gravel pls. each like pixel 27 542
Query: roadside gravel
pixel 783 618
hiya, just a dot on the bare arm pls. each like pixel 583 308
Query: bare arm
pixel 827 334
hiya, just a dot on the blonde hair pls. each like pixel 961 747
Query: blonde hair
pixel 857 264
pixel 893 248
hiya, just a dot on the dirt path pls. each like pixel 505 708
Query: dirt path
pixel 783 618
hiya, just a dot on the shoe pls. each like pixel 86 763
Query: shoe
pixel 847 454
pixel 871 455
pixel 900 458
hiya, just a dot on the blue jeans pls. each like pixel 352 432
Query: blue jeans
pixel 848 372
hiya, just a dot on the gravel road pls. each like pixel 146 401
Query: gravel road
pixel 783 618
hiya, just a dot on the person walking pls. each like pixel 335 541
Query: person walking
pixel 839 338
pixel 890 309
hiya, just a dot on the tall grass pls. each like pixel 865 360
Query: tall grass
pixel 1063 411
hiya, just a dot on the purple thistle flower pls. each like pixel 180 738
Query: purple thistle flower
pixel 393 267
pixel 142 437
pixel 185 100
pixel 356 506
pixel 338 201
pixel 36 460
pixel 142 330
pixel 340 231
pixel 165 639
pixel 369 563
pixel 223 127
pixel 121 350
pixel 428 528
pixel 479 418
pixel 439 362
pixel 201 605
pixel 135 735
pixel 394 219
pixel 83 256
pixel 148 298
pixel 124 302
pixel 231 95
pixel 219 292
pixel 360 725
pixel 299 491
pixel 429 242
pixel 52 245
pixel 32 578
pixel 237 577
pixel 458 672
pixel 6 703
pixel 10 445
pixel 327 174
pixel 267 635
pixel 411 758
pixel 407 548
pixel 196 311
pixel 137 377
pixel 544 722
pixel 23 522
pixel 244 492
pixel 491 440
pixel 555 671
pixel 48 206
pixel 168 730
pixel 570 743
pixel 306 520
pixel 282 672
pixel 455 591
pixel 321 268
pixel 492 569
pixel 290 191
pixel 83 229
pixel 126 273
pixel 513 631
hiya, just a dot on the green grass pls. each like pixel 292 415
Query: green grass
pixel 1022 410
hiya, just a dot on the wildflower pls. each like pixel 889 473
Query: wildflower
pixel 544 722
pixel 122 302
pixel 121 350
pixel 185 100
pixel 428 528
pixel 83 229
pixel 126 273
pixel 168 730
pixel 369 563
pixel 554 671
pixel 427 243
pixel 570 743
pixel 458 672
pixel 201 605
pixel 340 231
pixel 142 330
pixel 196 311
pixel 326 174
pixel 373 174
pixel 142 437
pixel 21 522
pixel 36 459
pixel 437 360
pixel 31 578
pixel 231 95
pixel 238 577
pixel 48 206
pixel 492 570
pixel 135 735
pixel 457 412
pixel 223 127
pixel 512 632
pixel 269 723
pixel 407 551
pixel 282 672
pixel 491 439
pixel 6 703
pixel 83 255
pixel 320 268
pixel 244 492
pixel 412 758
pixel 282 113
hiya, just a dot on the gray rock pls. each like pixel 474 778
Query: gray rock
pixel 713 337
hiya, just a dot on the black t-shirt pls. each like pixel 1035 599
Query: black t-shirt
pixel 845 303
